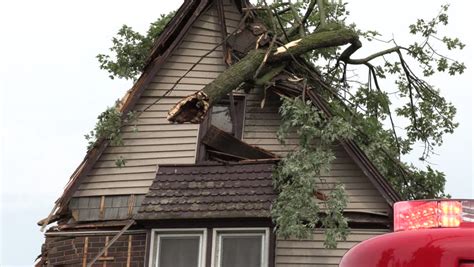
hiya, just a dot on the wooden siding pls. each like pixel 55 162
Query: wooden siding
pixel 105 208
pixel 312 253
pixel 155 141
pixel 260 128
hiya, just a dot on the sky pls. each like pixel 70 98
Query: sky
pixel 51 91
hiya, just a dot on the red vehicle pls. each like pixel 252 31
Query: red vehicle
pixel 431 233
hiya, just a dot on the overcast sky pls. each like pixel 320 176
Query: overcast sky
pixel 51 91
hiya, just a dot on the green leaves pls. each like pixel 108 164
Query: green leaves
pixel 430 115
pixel 453 43
pixel 335 225
pixel 130 50
pixel 310 124
pixel 426 52
pixel 428 28
pixel 120 162
pixel 108 127
pixel 375 102
pixel 456 68
pixel 297 178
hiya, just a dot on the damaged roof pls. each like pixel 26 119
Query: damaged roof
pixel 210 190
pixel 190 205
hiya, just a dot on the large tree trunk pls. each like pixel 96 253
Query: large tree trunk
pixel 194 108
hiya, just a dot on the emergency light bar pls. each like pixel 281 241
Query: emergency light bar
pixel 411 215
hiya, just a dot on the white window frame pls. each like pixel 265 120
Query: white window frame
pixel 156 234
pixel 218 233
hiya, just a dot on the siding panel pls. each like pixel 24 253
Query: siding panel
pixel 260 128
pixel 111 191
pixel 143 162
pixel 119 184
pixel 155 141
pixel 293 252
pixel 187 66
pixel 156 155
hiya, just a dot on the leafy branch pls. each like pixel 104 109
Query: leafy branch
pixel 297 178
pixel 130 50
pixel 108 128
pixel 430 115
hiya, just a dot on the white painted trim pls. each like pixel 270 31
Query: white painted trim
pixel 217 234
pixel 177 232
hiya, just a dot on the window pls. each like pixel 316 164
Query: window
pixel 240 247
pixel 221 116
pixel 231 247
pixel 178 248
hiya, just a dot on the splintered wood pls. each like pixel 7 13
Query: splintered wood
pixel 283 48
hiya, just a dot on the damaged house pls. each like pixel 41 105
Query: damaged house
pixel 203 189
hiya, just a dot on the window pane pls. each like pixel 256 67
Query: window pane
pixel 179 251
pixel 221 118
pixel 241 251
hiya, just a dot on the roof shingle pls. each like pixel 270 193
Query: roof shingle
pixel 210 190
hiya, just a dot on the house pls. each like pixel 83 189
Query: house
pixel 202 190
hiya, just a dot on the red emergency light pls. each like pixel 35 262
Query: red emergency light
pixel 411 215
pixel 435 233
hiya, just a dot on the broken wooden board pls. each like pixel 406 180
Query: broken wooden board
pixel 224 142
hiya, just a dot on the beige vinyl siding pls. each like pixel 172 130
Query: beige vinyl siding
pixel 312 253
pixel 232 17
pixel 261 124
pixel 260 128
pixel 155 141
pixel 362 194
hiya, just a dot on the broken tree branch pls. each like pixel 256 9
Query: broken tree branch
pixel 299 22
pixel 296 27
pixel 194 108
pixel 345 56
pixel 272 43
pixel 322 14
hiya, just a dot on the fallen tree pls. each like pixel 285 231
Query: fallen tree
pixel 195 107
pixel 314 61
pixel 318 58
pixel 310 45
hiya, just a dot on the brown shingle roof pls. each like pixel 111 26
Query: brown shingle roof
pixel 210 190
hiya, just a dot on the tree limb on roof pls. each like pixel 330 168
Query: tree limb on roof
pixel 194 107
